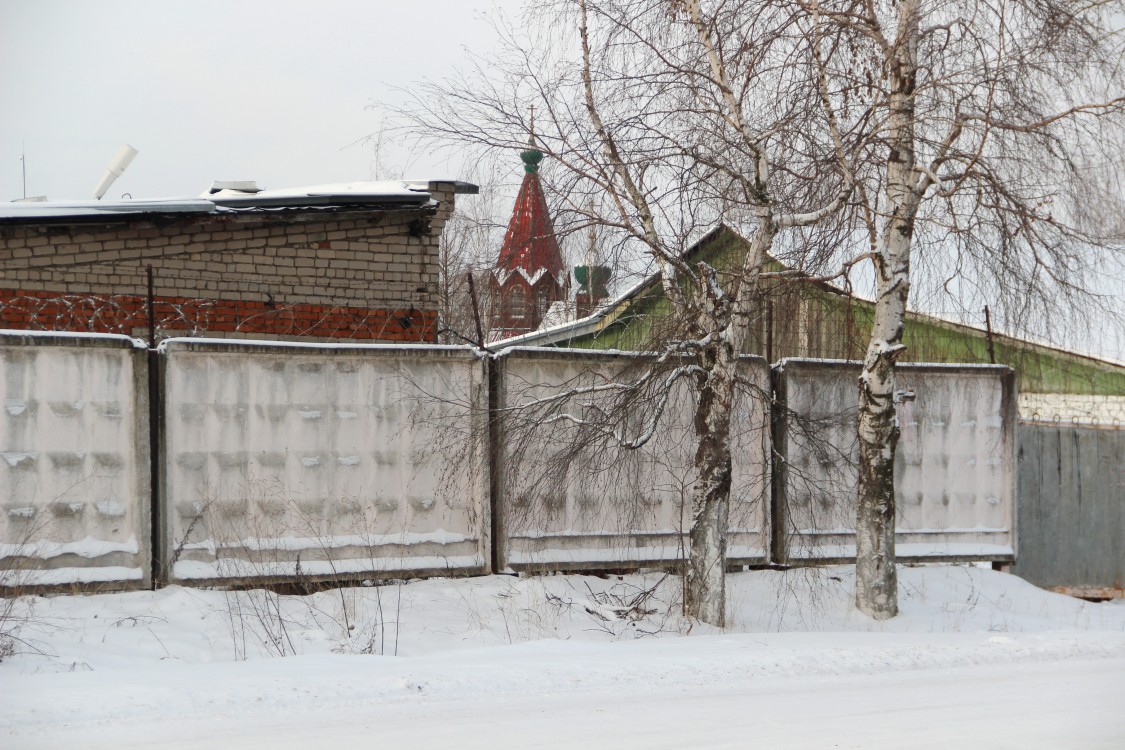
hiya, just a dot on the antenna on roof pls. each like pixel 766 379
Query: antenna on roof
pixel 23 165
pixel 116 167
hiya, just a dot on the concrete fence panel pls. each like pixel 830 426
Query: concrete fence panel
pixel 572 496
pixel 319 461
pixel 74 474
pixel 285 462
pixel 1072 507
pixel 954 469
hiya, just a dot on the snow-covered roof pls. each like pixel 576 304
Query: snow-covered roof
pixel 344 192
pixel 33 210
pixel 382 194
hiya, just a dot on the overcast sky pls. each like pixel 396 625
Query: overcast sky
pixel 281 92
pixel 278 91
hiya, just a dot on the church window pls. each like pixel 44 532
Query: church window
pixel 517 303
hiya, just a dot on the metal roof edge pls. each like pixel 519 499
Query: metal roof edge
pixel 62 211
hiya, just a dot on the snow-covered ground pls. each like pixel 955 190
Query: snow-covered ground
pixel 976 659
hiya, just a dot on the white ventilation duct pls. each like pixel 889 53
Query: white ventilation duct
pixel 116 167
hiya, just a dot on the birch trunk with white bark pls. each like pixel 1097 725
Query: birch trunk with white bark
pixel 705 587
pixel 876 591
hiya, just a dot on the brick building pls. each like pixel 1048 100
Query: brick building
pixel 355 261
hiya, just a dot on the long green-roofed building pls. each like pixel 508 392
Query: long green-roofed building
pixel 812 319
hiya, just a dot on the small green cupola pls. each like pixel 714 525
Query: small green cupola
pixel 531 158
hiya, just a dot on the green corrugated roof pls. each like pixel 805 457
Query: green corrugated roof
pixel 817 320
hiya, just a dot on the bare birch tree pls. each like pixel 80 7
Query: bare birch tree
pixel 986 119
pixel 662 119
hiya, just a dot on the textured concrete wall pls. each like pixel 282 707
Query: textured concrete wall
pixel 74 474
pixel 327 462
pixel 334 462
pixel 572 498
pixel 1072 506
pixel 954 469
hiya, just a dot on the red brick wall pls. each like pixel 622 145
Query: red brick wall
pixel 180 316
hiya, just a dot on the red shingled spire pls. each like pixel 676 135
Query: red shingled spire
pixel 530 242
pixel 529 277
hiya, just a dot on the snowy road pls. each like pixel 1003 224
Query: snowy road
pixel 720 691
pixel 1055 706
pixel 977 659
pixel 1076 705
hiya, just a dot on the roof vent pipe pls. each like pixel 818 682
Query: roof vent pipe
pixel 116 167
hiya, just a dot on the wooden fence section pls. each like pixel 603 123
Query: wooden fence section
pixel 1072 507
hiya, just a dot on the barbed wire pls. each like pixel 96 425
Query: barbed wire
pixel 128 315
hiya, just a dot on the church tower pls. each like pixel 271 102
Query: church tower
pixel 529 275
